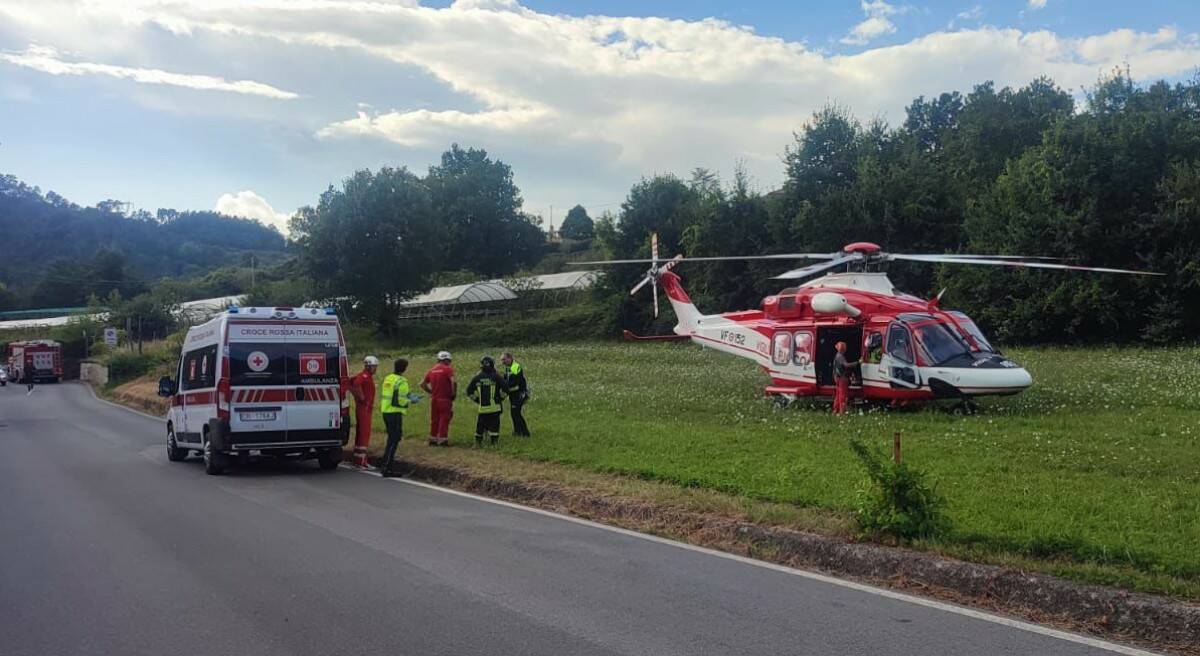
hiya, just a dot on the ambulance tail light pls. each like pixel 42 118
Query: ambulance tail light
pixel 223 398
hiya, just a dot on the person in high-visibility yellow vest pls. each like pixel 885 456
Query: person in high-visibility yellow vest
pixel 487 390
pixel 518 392
pixel 393 406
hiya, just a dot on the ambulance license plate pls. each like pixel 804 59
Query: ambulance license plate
pixel 256 416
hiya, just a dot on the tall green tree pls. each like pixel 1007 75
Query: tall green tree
pixel 1111 186
pixel 375 242
pixel 577 225
pixel 477 199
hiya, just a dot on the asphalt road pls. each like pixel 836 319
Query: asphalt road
pixel 108 548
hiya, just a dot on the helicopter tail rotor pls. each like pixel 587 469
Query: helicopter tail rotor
pixel 655 270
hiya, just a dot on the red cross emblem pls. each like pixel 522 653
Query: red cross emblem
pixel 258 361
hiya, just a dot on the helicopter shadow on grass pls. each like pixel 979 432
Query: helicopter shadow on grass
pixel 860 406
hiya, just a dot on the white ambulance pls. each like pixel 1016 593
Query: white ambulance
pixel 260 381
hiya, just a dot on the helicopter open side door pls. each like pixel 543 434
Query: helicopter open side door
pixel 898 363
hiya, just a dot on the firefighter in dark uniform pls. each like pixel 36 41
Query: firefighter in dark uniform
pixel 518 393
pixel 487 390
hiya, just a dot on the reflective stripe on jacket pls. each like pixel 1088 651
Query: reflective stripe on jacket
pixel 487 391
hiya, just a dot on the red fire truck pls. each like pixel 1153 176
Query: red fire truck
pixel 36 360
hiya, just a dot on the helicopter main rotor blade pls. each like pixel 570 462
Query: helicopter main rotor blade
pixel 819 267
pixel 995 257
pixel 948 259
pixel 725 258
pixel 641 284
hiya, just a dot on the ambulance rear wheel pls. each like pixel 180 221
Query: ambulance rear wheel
pixel 329 459
pixel 174 453
pixel 214 461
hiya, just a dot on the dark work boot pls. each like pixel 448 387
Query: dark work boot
pixel 495 439
pixel 478 441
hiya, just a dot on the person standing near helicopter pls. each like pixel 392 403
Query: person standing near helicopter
pixel 841 378
pixel 487 390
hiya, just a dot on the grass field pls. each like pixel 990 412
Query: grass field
pixel 1093 474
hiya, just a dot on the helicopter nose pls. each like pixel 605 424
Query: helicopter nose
pixel 997 378
pixel 1009 379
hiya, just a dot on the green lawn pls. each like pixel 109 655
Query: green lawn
pixel 1094 473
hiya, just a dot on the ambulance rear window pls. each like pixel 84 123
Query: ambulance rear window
pixel 312 364
pixel 257 363
pixel 291 363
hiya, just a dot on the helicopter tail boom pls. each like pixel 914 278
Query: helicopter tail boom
pixel 685 311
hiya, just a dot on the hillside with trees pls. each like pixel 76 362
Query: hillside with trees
pixel 57 253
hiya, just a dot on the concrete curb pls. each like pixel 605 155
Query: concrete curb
pixel 1107 612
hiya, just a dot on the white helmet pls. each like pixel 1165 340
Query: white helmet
pixel 443 355
pixel 371 361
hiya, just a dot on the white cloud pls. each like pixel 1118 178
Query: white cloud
pixel 250 205
pixel 48 60
pixel 429 128
pixel 1037 4
pixel 973 13
pixel 605 99
pixel 876 24
pixel 879 8
pixel 867 30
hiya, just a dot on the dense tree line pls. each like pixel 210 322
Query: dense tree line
pixel 384 236
pixel 1114 182
pixel 57 253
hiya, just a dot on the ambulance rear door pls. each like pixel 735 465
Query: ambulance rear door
pixel 313 375
pixel 258 384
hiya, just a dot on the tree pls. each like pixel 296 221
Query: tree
pixel 1111 186
pixel 577 225
pixel 376 240
pixel 147 316
pixel 477 200
pixel 41 230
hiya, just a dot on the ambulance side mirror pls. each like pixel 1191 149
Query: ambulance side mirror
pixel 166 387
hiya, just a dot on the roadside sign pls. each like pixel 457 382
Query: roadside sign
pixel 110 336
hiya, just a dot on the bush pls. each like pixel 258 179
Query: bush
pixel 899 502
pixel 124 366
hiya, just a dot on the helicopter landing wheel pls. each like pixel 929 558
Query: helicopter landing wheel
pixel 964 408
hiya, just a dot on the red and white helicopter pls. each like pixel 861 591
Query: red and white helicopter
pixel 910 348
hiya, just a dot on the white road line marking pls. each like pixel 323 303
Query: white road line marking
pixel 861 587
pixel 882 592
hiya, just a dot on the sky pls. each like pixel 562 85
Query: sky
pixel 255 107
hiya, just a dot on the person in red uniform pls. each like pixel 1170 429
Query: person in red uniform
pixel 362 387
pixel 841 377
pixel 439 383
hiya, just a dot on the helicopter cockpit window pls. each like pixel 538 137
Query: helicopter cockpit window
pixel 968 325
pixel 899 344
pixel 782 348
pixel 787 302
pixel 941 343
